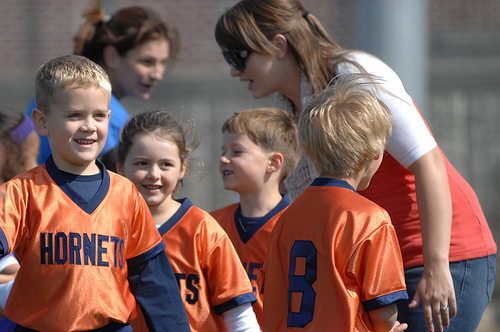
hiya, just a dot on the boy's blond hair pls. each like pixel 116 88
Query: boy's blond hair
pixel 271 129
pixel 65 71
pixel 345 126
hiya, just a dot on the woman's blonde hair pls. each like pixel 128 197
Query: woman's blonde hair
pixel 251 24
pixel 345 126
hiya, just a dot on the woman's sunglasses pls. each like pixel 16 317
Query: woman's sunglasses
pixel 236 58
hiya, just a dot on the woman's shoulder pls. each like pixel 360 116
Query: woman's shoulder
pixel 369 62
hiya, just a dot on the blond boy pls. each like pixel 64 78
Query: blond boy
pixel 334 260
pixel 86 241
pixel 260 148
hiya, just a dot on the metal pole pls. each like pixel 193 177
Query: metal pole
pixel 396 32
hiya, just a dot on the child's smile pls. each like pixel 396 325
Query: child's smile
pixel 77 127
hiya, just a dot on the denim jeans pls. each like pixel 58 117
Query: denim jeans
pixel 473 281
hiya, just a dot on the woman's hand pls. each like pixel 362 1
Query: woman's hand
pixel 435 289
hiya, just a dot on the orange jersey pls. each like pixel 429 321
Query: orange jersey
pixel 209 273
pixel 393 188
pixel 74 259
pixel 251 244
pixel 333 256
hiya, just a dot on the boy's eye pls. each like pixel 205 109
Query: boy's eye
pixel 141 163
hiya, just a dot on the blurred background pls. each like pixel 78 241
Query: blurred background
pixel 447 53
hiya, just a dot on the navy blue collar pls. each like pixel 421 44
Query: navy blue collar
pixel 328 182
pixel 61 181
pixel 246 234
pixel 185 206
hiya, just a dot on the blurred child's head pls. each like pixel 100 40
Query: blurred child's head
pixel 19 143
pixel 345 127
pixel 72 96
pixel 153 153
pixel 271 130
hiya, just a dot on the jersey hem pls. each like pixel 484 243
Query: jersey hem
pixel 386 300
pixel 235 302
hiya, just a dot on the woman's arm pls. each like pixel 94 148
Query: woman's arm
pixel 435 289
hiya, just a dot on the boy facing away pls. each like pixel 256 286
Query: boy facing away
pixel 85 239
pixel 260 148
pixel 334 261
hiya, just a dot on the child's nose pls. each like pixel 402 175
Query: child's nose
pixel 153 172
pixel 89 125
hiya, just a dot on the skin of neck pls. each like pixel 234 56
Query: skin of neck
pixel 261 202
pixel 163 212
pixel 292 79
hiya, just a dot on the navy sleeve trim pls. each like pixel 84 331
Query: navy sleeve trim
pixel 147 255
pixel 4 244
pixel 385 300
pixel 235 302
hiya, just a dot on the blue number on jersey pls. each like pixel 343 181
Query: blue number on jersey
pixel 302 283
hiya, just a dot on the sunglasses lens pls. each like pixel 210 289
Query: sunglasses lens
pixel 235 58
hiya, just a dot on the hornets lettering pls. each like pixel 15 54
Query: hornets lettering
pixel 77 249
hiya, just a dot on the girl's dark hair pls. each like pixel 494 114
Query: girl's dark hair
pixel 126 29
pixel 163 125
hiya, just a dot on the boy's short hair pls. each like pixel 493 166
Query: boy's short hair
pixel 62 72
pixel 272 129
pixel 345 126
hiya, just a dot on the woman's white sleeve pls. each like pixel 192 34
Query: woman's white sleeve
pixel 241 319
pixel 410 137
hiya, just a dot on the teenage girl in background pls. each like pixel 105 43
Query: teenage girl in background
pixel 134 47
pixel 153 153
pixel 448 249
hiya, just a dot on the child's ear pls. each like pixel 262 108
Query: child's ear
pixel 39 120
pixel 119 168
pixel 183 171
pixel 275 162
pixel 109 56
pixel 281 43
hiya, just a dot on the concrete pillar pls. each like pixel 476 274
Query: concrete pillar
pixel 396 32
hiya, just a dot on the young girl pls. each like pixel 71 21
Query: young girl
pixel 153 153
pixel 279 46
